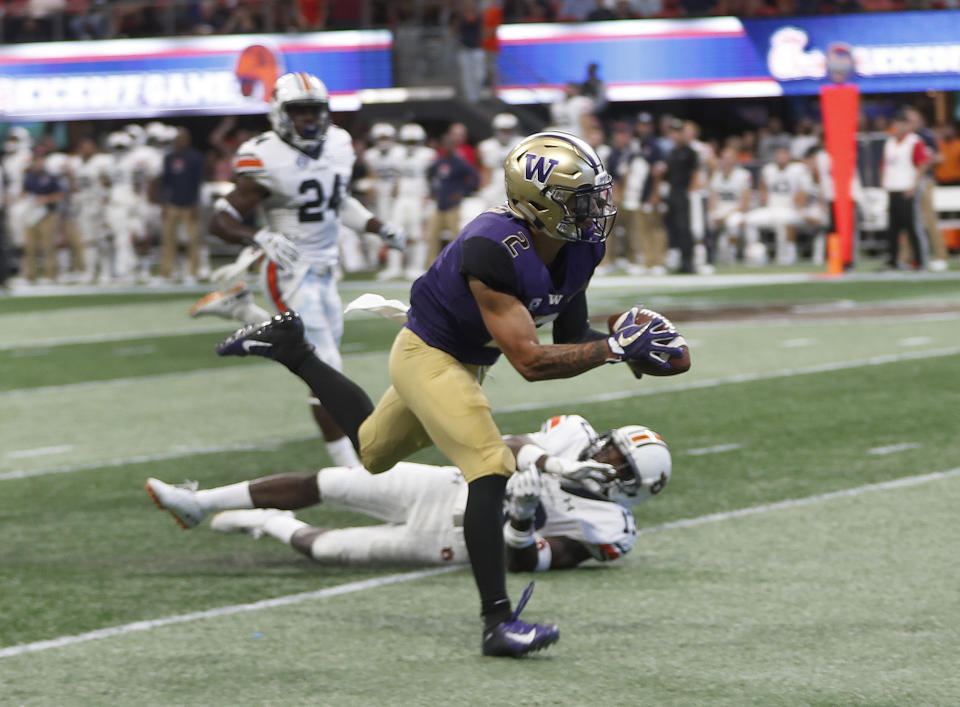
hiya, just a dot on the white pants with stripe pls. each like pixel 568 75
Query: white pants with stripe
pixel 422 504
pixel 312 293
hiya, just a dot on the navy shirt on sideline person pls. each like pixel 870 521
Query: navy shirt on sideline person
pixel 183 172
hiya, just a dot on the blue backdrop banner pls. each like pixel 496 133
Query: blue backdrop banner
pixel 725 57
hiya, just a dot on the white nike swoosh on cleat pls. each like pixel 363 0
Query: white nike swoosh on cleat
pixel 248 344
pixel 522 637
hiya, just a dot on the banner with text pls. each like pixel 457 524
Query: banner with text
pixel 220 75
pixel 725 57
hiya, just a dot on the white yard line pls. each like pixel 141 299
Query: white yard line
pixel 893 448
pixel 700 451
pixel 602 397
pixel 38 451
pixel 902 482
pixel 103 338
pixel 223 611
pixel 916 341
pixel 375 583
pixel 177 454
pixel 742 378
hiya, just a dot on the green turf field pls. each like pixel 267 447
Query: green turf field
pixel 838 587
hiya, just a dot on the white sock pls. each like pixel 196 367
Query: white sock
pixel 250 313
pixel 283 527
pixel 225 498
pixel 342 453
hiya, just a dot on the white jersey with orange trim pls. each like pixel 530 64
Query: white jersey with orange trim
pixel 606 529
pixel 382 161
pixel 412 166
pixel 492 154
pixel 304 192
pixel 424 507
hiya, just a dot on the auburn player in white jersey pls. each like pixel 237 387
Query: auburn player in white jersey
pixel 563 506
pixel 784 190
pixel 381 160
pixel 492 153
pixel 17 155
pixel 123 215
pixel 298 174
pixel 89 169
pixel 413 160
pixel 729 198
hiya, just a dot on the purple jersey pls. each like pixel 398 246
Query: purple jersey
pixel 443 311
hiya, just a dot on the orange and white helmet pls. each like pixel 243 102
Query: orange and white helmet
pixel 299 89
pixel 645 469
pixel 382 131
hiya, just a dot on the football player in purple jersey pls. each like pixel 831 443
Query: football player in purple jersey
pixel 509 270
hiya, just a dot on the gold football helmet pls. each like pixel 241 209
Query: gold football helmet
pixel 557 182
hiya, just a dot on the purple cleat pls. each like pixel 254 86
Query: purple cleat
pixel 515 638
pixel 277 338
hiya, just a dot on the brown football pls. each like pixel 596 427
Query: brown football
pixel 678 364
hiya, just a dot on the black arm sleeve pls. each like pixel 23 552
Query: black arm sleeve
pixel 572 326
pixel 490 263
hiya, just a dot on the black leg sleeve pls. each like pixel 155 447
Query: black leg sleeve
pixel 483 533
pixel 346 401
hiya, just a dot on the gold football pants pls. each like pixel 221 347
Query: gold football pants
pixel 434 399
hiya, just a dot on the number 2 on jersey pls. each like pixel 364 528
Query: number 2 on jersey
pixel 313 209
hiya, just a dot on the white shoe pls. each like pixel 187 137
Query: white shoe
pixel 249 521
pixel 706 269
pixel 938 266
pixel 222 304
pixel 179 500
pixel 658 271
pixel 389 274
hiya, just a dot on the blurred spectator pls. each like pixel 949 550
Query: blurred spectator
pixel 463 149
pixel 682 163
pixel 43 191
pixel 601 12
pixel 640 8
pixel 451 179
pixel 573 112
pixel 784 188
pixel 88 20
pixel 574 10
pixel 804 139
pixel 209 18
pixel 595 88
pixel 774 138
pixel 904 157
pixel 665 141
pixel 312 15
pixel 729 198
pixel 492 19
pixel 948 171
pixel 747 148
pixel 467 27
pixel 182 178
pixel 924 195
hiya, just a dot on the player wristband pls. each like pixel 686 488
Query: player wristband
pixel 544 555
pixel 528 455
pixel 226 207
pixel 517 538
pixel 615 349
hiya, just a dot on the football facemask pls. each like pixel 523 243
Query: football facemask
pixel 643 468
pixel 300 91
pixel 556 182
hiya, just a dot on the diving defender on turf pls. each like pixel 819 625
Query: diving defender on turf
pixel 511 269
pixel 559 511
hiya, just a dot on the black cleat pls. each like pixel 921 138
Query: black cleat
pixel 279 338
